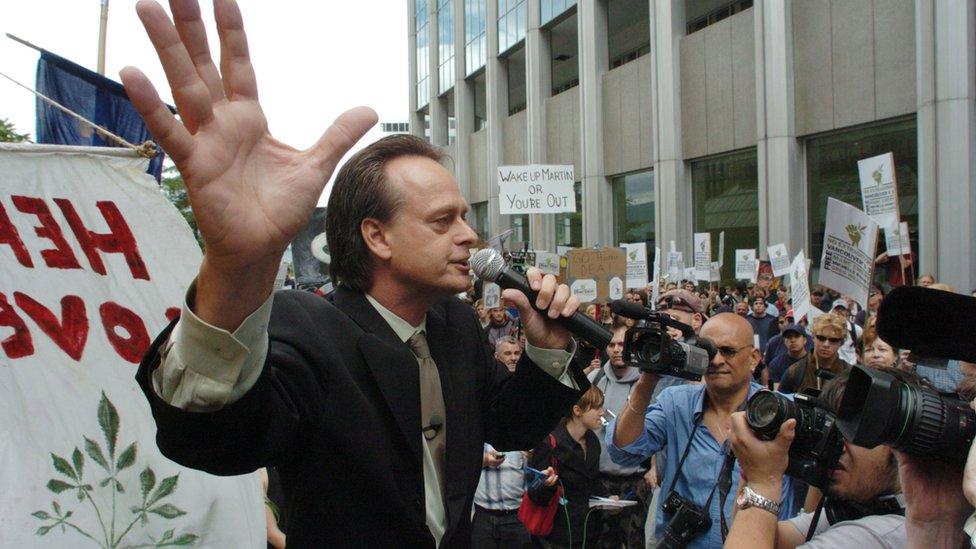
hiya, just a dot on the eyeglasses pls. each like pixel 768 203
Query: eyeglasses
pixel 728 353
pixel 824 339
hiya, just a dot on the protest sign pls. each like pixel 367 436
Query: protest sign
pixel 745 264
pixel 616 288
pixel 656 283
pixel 564 250
pixel 779 258
pixel 715 272
pixel 850 241
pixel 689 274
pixel 703 256
pixel 547 262
pixel 493 295
pixel 676 266
pixel 94 263
pixel 898 242
pixel 879 192
pixel 721 249
pixel 800 287
pixel 636 264
pixel 598 266
pixel 536 189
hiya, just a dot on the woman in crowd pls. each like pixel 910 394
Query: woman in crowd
pixel 877 353
pixel 577 469
pixel 829 331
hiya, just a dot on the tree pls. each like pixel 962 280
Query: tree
pixel 8 134
pixel 174 189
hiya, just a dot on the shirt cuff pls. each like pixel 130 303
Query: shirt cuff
pixel 204 368
pixel 554 362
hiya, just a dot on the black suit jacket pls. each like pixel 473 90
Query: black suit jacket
pixel 337 410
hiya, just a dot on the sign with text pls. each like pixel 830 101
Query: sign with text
pixel 536 189
pixel 703 256
pixel 493 295
pixel 596 265
pixel 779 258
pixel 898 242
pixel 676 266
pixel 715 272
pixel 547 262
pixel 656 283
pixel 800 287
pixel 745 264
pixel 636 264
pixel 94 262
pixel 850 242
pixel 879 192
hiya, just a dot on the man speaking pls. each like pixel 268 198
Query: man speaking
pixel 374 403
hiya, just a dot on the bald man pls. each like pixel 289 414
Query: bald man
pixel 691 425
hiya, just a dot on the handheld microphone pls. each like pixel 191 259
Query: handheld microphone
pixel 489 265
pixel 931 323
pixel 431 430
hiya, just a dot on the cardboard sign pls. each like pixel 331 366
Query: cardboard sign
pixel 599 266
pixel 850 242
pixel 879 192
pixel 745 264
pixel 536 189
pixel 800 287
pixel 779 258
pixel 636 264
pixel 703 256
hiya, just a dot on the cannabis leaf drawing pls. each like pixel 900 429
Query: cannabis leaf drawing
pixel 876 175
pixel 855 232
pixel 113 464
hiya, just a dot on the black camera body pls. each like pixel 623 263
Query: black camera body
pixel 688 521
pixel 649 347
pixel 818 443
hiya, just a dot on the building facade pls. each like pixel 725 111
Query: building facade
pixel 684 116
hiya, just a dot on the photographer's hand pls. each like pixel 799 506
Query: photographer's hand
pixel 630 422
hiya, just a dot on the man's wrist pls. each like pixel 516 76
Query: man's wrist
pixel 769 489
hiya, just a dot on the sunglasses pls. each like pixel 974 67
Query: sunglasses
pixel 729 352
pixel 824 339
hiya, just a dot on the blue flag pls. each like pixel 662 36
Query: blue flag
pixel 99 99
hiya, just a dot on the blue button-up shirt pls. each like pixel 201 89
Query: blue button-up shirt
pixel 668 425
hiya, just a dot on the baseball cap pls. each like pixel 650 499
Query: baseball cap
pixel 683 300
pixel 794 328
pixel 839 304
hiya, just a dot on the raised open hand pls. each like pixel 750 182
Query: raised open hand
pixel 250 193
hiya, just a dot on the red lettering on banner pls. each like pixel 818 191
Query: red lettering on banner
pixel 10 237
pixel 71 333
pixel 118 240
pixel 19 344
pixel 134 344
pixel 61 256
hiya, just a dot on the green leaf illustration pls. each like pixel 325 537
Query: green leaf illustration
pixel 94 451
pixel 43 515
pixel 127 458
pixel 166 487
pixel 108 420
pixel 44 529
pixel 56 507
pixel 58 486
pixel 185 539
pixel 147 480
pixel 119 488
pixel 62 466
pixel 167 535
pixel 79 461
pixel 105 482
pixel 168 510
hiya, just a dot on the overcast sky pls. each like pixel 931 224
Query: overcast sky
pixel 313 58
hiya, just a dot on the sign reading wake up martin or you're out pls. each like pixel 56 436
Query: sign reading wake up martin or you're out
pixel 536 189
pixel 94 262
pixel 597 275
pixel 850 242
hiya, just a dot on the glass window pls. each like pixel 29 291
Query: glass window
pixel 569 226
pixel 474 35
pixel 511 23
pixel 725 191
pixel 423 58
pixel 832 171
pixel 633 207
pixel 445 30
pixel 480 221
pixel 552 9
pixel 521 225
pixel 628 31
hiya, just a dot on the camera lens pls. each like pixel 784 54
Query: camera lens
pixel 765 413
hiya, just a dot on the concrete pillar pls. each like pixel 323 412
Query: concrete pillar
pixel 496 105
pixel 672 187
pixel 946 78
pixel 782 199
pixel 416 120
pixel 463 106
pixel 437 109
pixel 538 88
pixel 593 58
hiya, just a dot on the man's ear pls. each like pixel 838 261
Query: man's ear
pixel 756 359
pixel 374 235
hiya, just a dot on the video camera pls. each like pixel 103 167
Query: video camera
pixel 818 444
pixel 649 347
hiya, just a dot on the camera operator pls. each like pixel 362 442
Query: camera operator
pixel 691 423
pixel 862 508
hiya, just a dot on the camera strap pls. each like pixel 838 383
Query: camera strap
pixel 684 455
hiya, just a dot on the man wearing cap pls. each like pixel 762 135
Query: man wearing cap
pixel 763 324
pixel 796 343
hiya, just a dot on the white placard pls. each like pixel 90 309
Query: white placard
pixel 536 189
pixel 745 264
pixel 898 243
pixel 584 289
pixel 616 288
pixel 676 266
pixel 779 257
pixel 715 272
pixel 493 295
pixel 703 256
pixel 564 250
pixel 106 268
pixel 879 193
pixel 636 264
pixel 721 249
pixel 850 241
pixel 800 286
pixel 689 274
pixel 656 283
pixel 547 262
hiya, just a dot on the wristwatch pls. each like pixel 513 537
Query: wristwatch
pixel 749 498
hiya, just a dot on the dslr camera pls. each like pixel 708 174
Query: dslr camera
pixel 688 521
pixel 649 347
pixel 818 444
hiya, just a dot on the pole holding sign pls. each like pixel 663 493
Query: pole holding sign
pixel 536 189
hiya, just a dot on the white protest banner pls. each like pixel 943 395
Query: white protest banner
pixel 656 283
pixel 703 256
pixel 536 189
pixel 715 272
pixel 745 264
pixel 879 193
pixel 492 294
pixel 721 249
pixel 898 243
pixel 636 264
pixel 779 257
pixel 547 262
pixel 800 287
pixel 850 241
pixel 584 289
pixel 675 266
pixel 689 274
pixel 615 288
pixel 94 263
